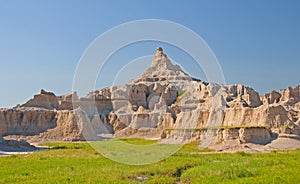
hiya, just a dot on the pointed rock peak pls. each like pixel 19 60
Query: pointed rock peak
pixel 160 59
pixel 162 69
pixel 160 53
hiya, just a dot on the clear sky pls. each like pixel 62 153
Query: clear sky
pixel 257 42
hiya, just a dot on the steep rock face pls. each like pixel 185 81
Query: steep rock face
pixel 271 116
pixel 138 95
pixel 115 122
pixel 243 96
pixel 148 95
pixel 94 106
pixel 101 124
pixel 290 96
pixel 271 98
pixel 25 121
pixel 289 99
pixel 235 135
pixel 50 125
pixel 246 135
pixel 255 135
pixel 145 131
pixel 70 126
pixel 96 102
pixel 65 101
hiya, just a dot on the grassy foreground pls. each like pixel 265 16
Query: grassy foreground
pixel 79 163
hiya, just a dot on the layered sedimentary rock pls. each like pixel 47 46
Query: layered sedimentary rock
pixel 163 102
pixel 45 100
pixel 26 121
pixel 66 125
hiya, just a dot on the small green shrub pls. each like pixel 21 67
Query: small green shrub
pixel 180 94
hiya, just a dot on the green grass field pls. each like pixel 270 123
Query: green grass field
pixel 79 163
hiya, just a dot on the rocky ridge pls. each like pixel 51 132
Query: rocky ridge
pixel 163 103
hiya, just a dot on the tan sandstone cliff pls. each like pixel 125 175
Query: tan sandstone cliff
pixel 164 102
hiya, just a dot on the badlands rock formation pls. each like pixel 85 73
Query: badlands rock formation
pixel 163 103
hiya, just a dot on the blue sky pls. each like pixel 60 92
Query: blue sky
pixel 256 42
